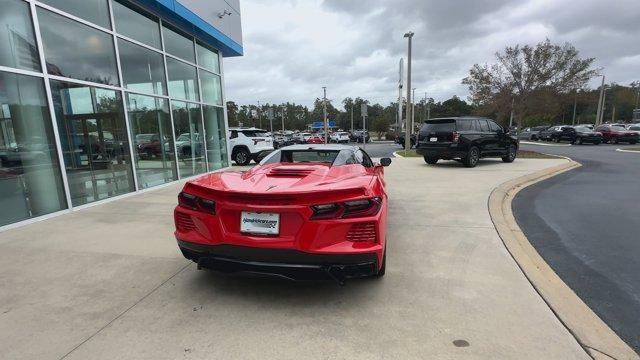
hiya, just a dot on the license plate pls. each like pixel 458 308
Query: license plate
pixel 260 223
pixel 434 139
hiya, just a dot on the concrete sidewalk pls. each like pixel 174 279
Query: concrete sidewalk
pixel 108 283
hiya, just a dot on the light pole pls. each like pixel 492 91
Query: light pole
pixel 259 116
pixel 575 104
pixel 324 107
pixel 352 105
pixel 407 135
pixel 604 99
pixel 400 83
pixel 413 110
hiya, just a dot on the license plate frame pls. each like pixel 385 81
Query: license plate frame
pixel 259 223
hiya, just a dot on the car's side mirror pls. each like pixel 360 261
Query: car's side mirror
pixel 385 161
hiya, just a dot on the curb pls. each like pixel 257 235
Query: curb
pixel 595 337
pixel 542 144
pixel 629 151
pixel 395 154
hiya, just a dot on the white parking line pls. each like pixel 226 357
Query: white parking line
pixel 542 144
pixel 629 151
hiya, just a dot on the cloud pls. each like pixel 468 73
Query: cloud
pixel 294 47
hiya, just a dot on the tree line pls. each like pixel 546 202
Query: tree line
pixel 541 84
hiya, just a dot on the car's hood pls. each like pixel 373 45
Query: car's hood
pixel 288 179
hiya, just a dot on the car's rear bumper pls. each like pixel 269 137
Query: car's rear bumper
pixel 441 152
pixel 286 263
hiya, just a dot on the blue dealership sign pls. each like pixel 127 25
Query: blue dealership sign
pixel 320 124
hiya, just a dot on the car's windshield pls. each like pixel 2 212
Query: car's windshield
pixel 333 157
pixel 634 128
pixel 618 128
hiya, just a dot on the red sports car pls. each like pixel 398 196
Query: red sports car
pixel 315 140
pixel 306 212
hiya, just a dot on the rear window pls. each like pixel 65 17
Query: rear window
pixel 618 128
pixel 634 127
pixel 254 133
pixel 439 126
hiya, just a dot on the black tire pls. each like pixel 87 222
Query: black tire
pixel 579 141
pixel 430 160
pixel 633 142
pixel 241 157
pixel 512 153
pixel 557 140
pixel 596 143
pixel 382 270
pixel 148 153
pixel 472 158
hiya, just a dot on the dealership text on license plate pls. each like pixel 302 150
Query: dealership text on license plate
pixel 433 139
pixel 260 223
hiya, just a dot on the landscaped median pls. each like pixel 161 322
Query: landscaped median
pixel 591 332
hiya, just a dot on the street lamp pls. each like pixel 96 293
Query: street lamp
pixel 407 135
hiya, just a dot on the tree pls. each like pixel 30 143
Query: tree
pixel 232 112
pixel 528 74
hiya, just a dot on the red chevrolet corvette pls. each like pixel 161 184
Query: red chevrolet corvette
pixel 306 212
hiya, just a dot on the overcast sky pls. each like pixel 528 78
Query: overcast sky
pixel 294 47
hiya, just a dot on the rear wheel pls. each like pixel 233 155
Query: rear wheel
pixel 472 158
pixel 242 157
pixel 512 152
pixel 633 142
pixel 579 141
pixel 596 143
pixel 430 160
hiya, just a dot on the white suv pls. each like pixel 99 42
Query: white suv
pixel 249 144
pixel 339 137
pixel 302 137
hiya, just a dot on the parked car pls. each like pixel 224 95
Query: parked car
pixel 282 140
pixel 301 137
pixel 579 135
pixel 466 139
pixel 635 128
pixel 151 146
pixel 189 145
pixel 339 137
pixel 551 133
pixel 315 139
pixel 531 133
pixel 400 139
pixel 360 136
pixel 304 213
pixel 615 134
pixel 249 144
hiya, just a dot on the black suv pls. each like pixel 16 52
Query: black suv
pixel 467 139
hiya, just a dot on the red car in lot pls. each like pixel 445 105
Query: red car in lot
pixel 315 140
pixel 616 134
pixel 306 212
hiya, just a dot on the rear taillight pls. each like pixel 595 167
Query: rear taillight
pixel 347 209
pixel 455 136
pixel 193 202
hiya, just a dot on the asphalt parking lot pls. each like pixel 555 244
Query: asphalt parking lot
pixel 79 287
pixel 584 223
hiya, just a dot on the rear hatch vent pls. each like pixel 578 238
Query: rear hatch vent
pixel 290 172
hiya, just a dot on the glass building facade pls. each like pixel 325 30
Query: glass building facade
pixel 101 98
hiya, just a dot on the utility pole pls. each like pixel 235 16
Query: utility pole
pixel 259 116
pixel 599 112
pixel 638 97
pixel 324 106
pixel 604 101
pixel 429 111
pixel 352 105
pixel 575 104
pixel 400 83
pixel 511 117
pixel 407 138
pixel 284 109
pixel 424 108
pixel 613 114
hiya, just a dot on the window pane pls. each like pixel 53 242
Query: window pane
pixel 187 121
pixel 30 181
pixel 216 137
pixel 135 25
pixel 142 69
pixel 178 45
pixel 77 51
pixel 208 59
pixel 151 130
pixel 17 43
pixel 211 88
pixel 93 137
pixel 183 81
pixel 95 11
